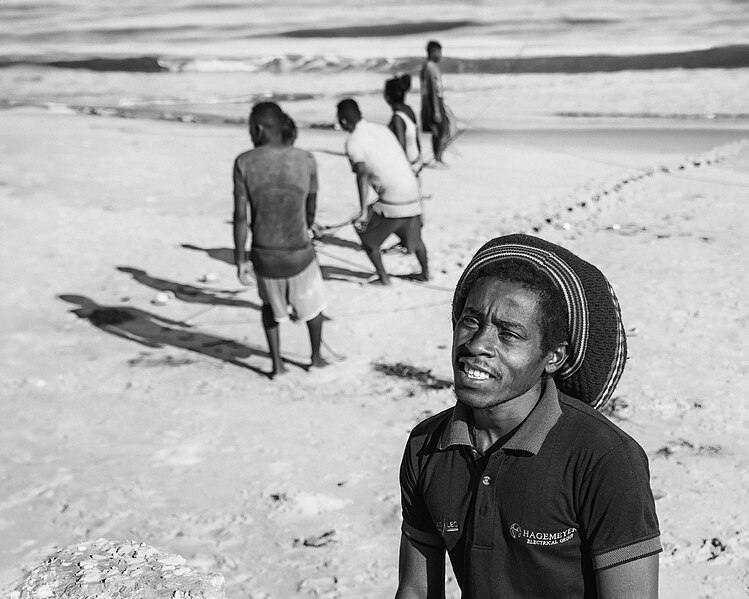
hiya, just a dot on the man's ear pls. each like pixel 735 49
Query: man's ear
pixel 555 358
pixel 257 133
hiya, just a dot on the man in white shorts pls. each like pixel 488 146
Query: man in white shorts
pixel 279 185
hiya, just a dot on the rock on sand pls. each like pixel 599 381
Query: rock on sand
pixel 105 569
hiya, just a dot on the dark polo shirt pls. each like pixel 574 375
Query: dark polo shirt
pixel 566 495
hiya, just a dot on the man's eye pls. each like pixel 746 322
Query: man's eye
pixel 509 335
pixel 470 321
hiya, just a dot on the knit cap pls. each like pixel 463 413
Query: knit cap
pixel 597 349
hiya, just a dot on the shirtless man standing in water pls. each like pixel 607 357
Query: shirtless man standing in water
pixel 433 115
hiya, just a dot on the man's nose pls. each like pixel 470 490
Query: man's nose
pixel 482 342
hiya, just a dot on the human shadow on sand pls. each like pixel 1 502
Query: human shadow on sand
pixel 329 239
pixel 190 293
pixel 225 255
pixel 335 273
pixel 154 331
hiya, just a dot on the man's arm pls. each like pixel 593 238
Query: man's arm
pixel 312 194
pixel 435 85
pixel 633 580
pixel 362 186
pixel 241 199
pixel 399 128
pixel 311 208
pixel 421 571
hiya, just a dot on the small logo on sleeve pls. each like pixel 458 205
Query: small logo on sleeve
pixel 533 537
pixel 445 526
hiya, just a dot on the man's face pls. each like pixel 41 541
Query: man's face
pixel 435 54
pixel 497 344
pixel 343 122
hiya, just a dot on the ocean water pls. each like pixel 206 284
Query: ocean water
pixel 194 61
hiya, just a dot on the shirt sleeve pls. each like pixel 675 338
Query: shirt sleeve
pixel 417 522
pixel 355 151
pixel 618 510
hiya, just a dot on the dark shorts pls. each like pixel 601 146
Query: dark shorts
pixel 428 125
pixel 378 228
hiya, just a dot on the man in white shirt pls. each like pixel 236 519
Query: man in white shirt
pixel 378 161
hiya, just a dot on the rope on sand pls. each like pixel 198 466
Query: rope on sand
pixel 335 227
pixel 332 352
pixel 185 321
pixel 345 261
pixel 370 271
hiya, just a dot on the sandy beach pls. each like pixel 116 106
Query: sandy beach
pixel 129 419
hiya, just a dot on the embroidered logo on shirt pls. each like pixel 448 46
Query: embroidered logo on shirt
pixel 533 537
pixel 448 526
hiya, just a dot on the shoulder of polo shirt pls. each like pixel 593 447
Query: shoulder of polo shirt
pixel 600 426
pixel 431 428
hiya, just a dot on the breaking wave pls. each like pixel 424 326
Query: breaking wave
pixel 724 57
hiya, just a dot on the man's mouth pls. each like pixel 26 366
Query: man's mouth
pixel 473 373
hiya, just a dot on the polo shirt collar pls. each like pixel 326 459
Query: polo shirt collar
pixel 529 436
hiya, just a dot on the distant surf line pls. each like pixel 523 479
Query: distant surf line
pixel 722 57
pixel 155 112
pixel 378 30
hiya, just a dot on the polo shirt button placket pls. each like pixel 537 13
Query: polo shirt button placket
pixel 482 542
pixel 484 511
pixel 486 481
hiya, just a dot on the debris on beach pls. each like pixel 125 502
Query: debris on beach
pixel 710 549
pixel 321 587
pixel 405 371
pixel 321 540
pixel 163 298
pixel 104 569
pixel 148 361
pixel 616 408
pixel 682 446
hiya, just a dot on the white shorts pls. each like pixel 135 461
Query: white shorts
pixel 301 297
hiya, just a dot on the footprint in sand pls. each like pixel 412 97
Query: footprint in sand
pixel 179 453
pixel 308 504
pixel 313 504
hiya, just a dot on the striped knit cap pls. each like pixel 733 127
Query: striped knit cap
pixel 597 347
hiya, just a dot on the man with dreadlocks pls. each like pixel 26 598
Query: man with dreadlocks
pixel 530 490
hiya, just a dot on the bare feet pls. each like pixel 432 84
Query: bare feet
pixel 421 277
pixel 319 362
pixel 278 370
pixel 382 282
